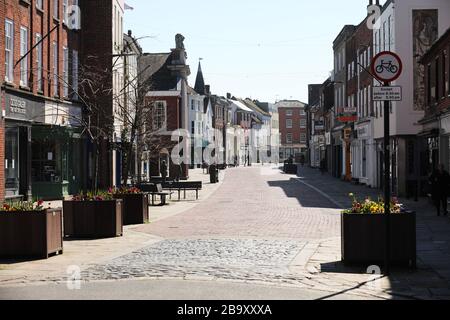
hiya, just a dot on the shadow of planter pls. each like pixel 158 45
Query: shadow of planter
pixel 134 209
pixel 31 234
pixel 93 219
pixel 364 239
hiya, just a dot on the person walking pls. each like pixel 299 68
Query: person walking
pixel 302 160
pixel 163 171
pixel 179 172
pixel 323 166
pixel 440 182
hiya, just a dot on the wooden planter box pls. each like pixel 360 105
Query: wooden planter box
pixel 134 209
pixel 290 168
pixel 31 234
pixel 364 239
pixel 93 219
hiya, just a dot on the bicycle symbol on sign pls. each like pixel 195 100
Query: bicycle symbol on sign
pixel 387 66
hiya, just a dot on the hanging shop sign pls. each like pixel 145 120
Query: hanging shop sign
pixel 348 118
pixel 319 125
pixel 328 138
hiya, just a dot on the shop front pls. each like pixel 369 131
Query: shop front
pixel 20 114
pixel 337 152
pixel 55 162
pixel 430 143
pixel 42 149
pixel 362 159
pixel 445 141
pixel 348 138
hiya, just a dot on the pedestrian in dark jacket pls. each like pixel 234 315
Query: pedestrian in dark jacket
pixel 323 166
pixel 440 182
pixel 164 171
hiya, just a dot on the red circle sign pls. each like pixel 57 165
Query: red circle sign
pixel 387 66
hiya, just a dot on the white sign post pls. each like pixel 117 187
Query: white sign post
pixel 387 67
pixel 387 94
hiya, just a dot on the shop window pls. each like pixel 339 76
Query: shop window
pixel 49 162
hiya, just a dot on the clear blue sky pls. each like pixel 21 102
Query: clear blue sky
pixel 263 49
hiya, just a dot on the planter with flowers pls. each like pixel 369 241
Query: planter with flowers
pixel 93 216
pixel 27 230
pixel 364 233
pixel 135 204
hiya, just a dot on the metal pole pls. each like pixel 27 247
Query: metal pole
pixel 387 186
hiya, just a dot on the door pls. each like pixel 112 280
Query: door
pixel 12 161
pixel 348 161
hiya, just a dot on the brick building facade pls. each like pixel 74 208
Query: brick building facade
pixel 436 122
pixel 39 144
pixel 165 75
pixel 102 49
pixel 293 129
pixel 361 160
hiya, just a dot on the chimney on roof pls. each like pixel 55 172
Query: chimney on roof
pixel 371 4
pixel 207 90
pixel 130 33
pixel 228 95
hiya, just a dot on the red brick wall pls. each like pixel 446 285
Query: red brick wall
pixel 442 102
pixel 96 56
pixel 42 22
pixel 2 124
pixel 173 123
pixel 296 130
pixel 25 14
pixel 361 39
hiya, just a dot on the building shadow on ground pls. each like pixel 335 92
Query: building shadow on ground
pixel 305 196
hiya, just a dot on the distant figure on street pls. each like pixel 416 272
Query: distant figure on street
pixel 213 173
pixel 178 173
pixel 440 182
pixel 205 167
pixel 291 160
pixel 163 171
pixel 302 160
pixel 322 166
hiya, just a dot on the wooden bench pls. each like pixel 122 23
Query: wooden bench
pixel 153 190
pixel 183 185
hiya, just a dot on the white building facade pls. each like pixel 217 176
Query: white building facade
pixel 408 28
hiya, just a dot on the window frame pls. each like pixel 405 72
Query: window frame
pixel 289 138
pixel 23 51
pixel 289 124
pixel 9 52
pixel 39 63
pixel 55 68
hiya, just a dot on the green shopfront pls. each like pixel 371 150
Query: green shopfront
pixel 43 148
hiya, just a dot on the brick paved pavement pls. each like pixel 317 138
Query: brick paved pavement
pixel 264 227
pixel 254 205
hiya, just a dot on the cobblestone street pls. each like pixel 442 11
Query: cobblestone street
pixel 267 228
